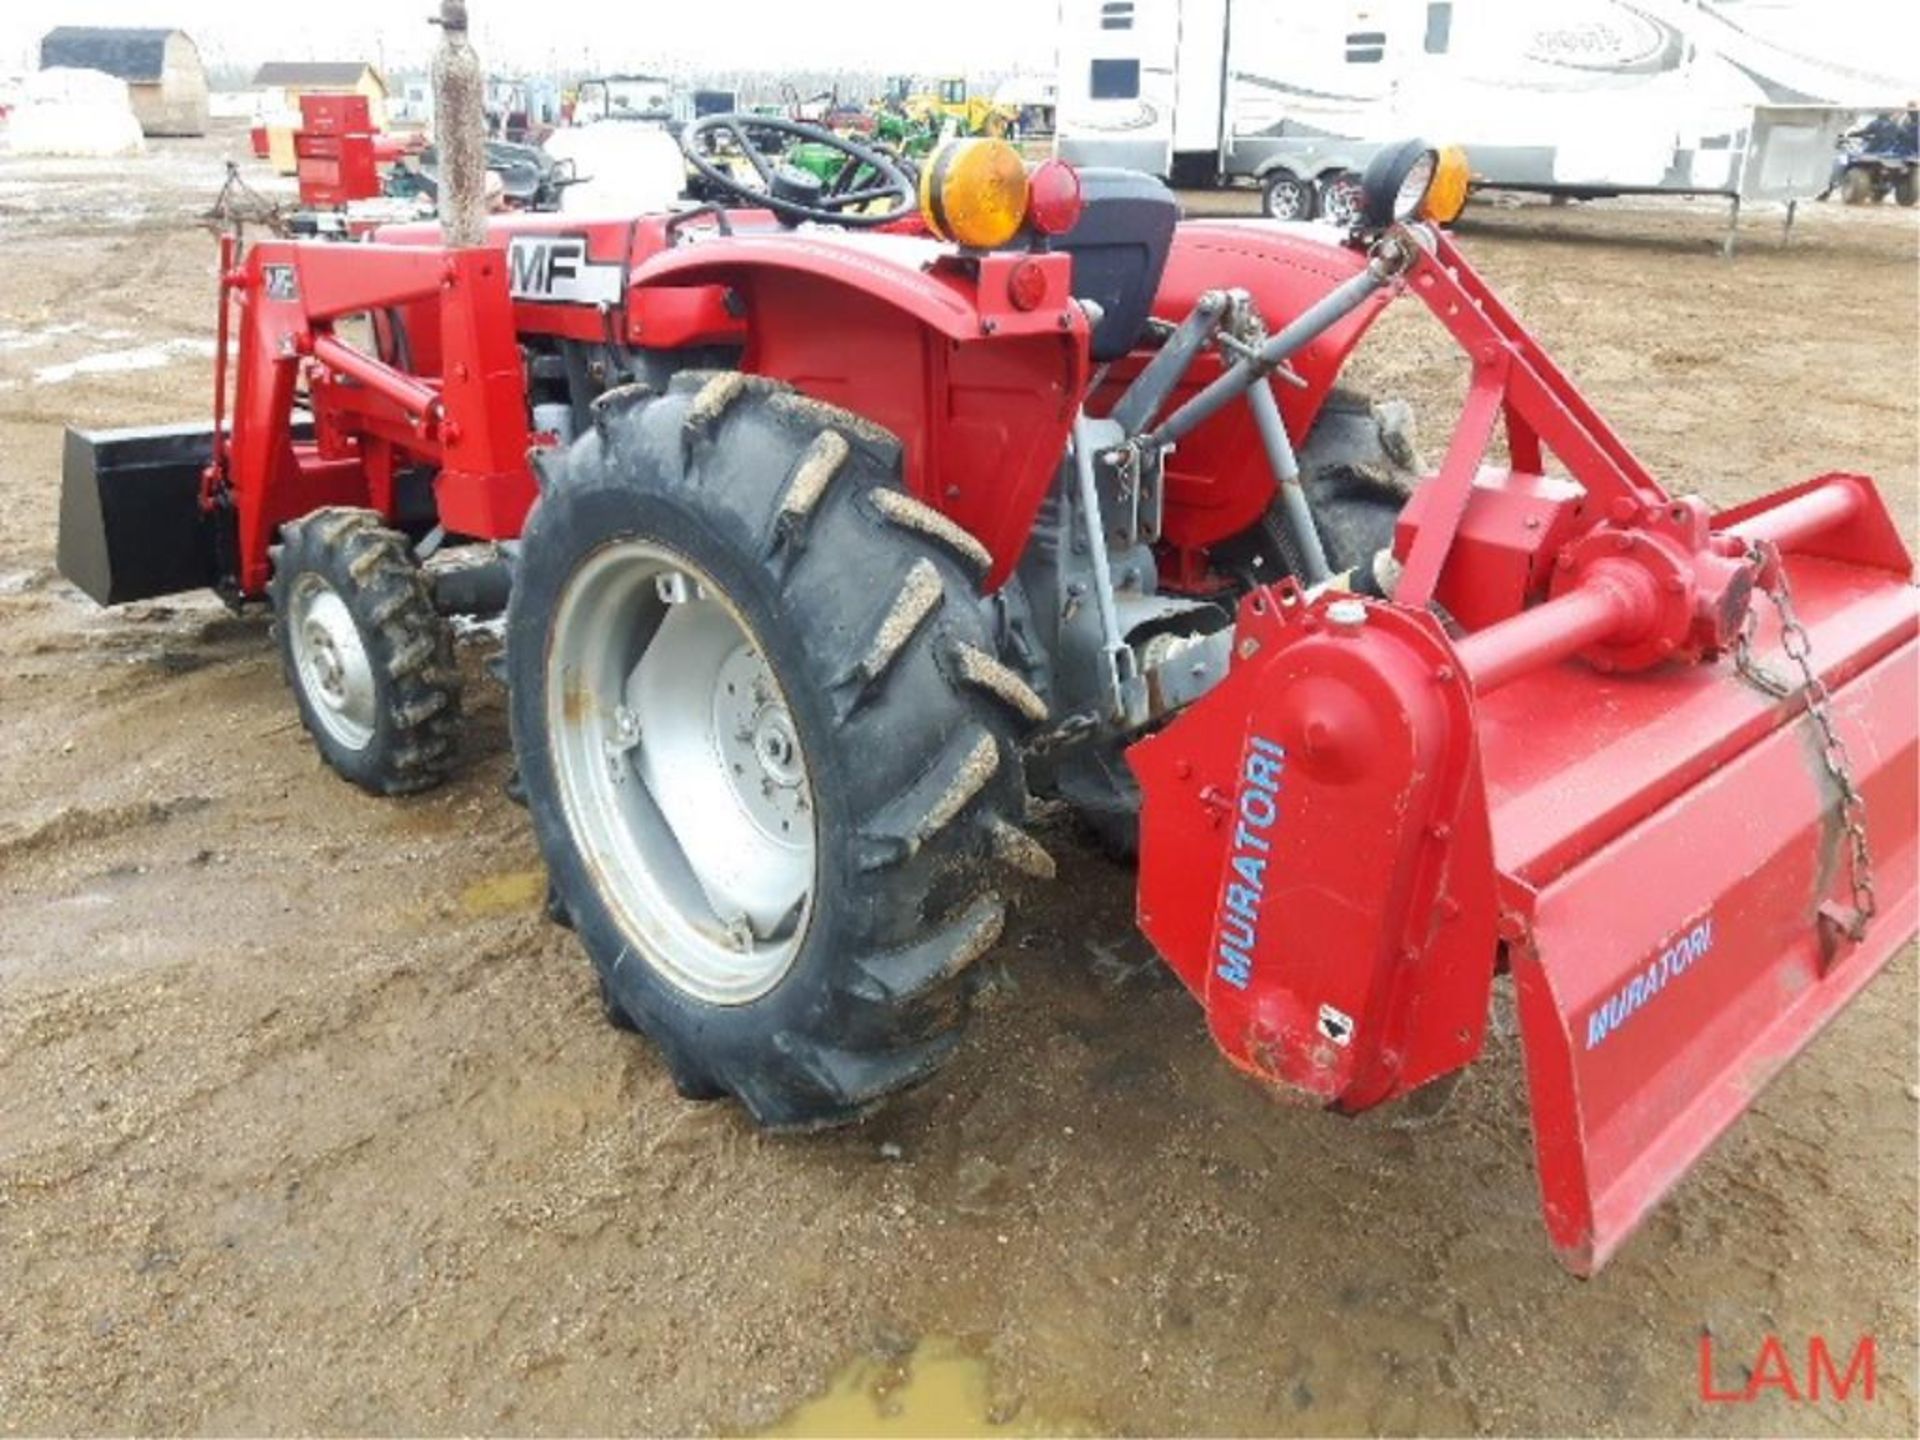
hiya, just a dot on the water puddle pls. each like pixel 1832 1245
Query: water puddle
pixel 506 893
pixel 939 1389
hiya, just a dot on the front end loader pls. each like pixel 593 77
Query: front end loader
pixel 835 521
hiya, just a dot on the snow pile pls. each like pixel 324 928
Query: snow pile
pixel 112 362
pixel 74 112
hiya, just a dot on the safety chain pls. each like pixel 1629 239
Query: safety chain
pixel 1798 646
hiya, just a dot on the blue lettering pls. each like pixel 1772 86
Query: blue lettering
pixel 1264 772
pixel 1237 926
pixel 1675 959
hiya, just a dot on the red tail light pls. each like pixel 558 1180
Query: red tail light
pixel 1027 285
pixel 1053 198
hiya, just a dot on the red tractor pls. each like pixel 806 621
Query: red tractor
pixel 833 523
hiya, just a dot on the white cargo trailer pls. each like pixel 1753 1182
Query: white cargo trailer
pixel 1741 98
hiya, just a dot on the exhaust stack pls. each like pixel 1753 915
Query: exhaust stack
pixel 460 129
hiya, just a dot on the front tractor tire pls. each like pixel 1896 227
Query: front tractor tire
pixel 369 659
pixel 771 761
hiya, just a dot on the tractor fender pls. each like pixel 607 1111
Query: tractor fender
pixel 907 333
pixel 909 273
pixel 1218 480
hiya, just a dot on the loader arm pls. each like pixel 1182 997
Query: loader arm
pixel 1590 774
pixel 370 417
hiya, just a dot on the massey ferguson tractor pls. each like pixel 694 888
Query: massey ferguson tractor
pixel 834 521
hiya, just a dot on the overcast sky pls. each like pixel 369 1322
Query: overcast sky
pixel 925 37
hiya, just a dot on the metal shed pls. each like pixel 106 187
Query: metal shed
pixel 165 79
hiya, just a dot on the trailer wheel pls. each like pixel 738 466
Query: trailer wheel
pixel 369 658
pixel 1857 185
pixel 1340 198
pixel 771 762
pixel 1285 196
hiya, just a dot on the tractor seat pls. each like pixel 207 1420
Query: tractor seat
pixel 1119 248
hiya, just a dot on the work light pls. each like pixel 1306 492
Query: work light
pixel 974 192
pixel 1413 180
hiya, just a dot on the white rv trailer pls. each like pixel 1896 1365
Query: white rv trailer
pixel 1742 98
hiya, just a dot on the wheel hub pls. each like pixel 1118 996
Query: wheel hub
pixel 682 772
pixel 331 662
pixel 754 734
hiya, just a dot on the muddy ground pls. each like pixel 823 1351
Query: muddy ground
pixel 309 1120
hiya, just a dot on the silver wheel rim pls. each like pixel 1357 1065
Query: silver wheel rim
pixel 681 773
pixel 330 657
pixel 1286 199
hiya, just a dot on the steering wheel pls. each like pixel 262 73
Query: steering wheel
pixel 796 195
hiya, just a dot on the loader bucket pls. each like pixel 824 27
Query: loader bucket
pixel 131 526
pixel 1344 839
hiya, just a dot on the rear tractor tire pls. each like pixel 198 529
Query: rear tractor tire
pixel 1358 466
pixel 369 659
pixel 772 764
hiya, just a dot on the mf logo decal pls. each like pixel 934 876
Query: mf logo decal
pixel 281 282
pixel 555 270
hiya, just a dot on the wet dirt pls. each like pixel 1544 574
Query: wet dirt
pixel 311 1121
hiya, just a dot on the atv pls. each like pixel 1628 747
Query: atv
pixel 1880 159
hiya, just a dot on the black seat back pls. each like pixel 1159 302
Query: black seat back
pixel 1119 249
